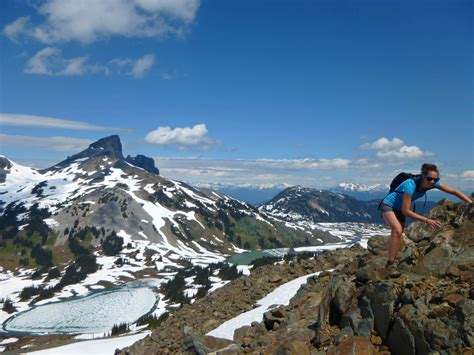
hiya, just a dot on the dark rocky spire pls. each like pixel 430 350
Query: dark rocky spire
pixel 109 146
pixel 143 162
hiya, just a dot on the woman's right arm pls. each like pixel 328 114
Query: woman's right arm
pixel 409 213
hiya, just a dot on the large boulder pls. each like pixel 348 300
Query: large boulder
pixel 436 262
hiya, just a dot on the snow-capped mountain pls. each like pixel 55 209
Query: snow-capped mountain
pixel 362 191
pixel 379 191
pixel 298 203
pixel 99 187
pixel 253 194
pixel 349 186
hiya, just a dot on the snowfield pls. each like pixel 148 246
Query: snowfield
pixel 96 347
pixel 280 296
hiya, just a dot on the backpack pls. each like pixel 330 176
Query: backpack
pixel 399 179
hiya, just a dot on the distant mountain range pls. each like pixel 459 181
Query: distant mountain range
pixel 258 195
pixel 312 205
pixel 362 191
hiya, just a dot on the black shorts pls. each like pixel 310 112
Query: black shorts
pixel 400 216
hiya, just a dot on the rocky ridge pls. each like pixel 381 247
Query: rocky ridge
pixel 356 309
pixel 308 205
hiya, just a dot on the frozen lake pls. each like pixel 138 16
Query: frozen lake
pixel 94 313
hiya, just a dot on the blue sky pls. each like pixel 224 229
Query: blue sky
pixel 243 92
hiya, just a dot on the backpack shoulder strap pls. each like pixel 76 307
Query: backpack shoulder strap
pixel 417 179
pixel 412 177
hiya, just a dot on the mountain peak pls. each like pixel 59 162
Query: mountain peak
pixel 110 145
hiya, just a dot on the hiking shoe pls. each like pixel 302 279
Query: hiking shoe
pixel 392 269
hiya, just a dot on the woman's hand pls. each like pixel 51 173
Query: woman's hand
pixel 433 223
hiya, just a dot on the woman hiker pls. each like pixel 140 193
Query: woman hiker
pixel 395 207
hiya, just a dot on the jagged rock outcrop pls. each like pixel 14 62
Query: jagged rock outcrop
pixel 143 162
pixel 109 147
pixel 5 165
pixel 356 309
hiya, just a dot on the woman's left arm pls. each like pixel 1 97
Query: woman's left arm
pixel 455 192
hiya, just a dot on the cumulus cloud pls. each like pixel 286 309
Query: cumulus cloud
pixel 50 61
pixel 55 143
pixel 404 152
pixel 394 148
pixel 186 138
pixel 468 175
pixel 15 119
pixel 87 21
pixel 383 144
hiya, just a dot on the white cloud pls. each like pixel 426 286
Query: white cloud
pixel 87 21
pixel 186 138
pixel 142 65
pixel 404 152
pixel 260 172
pixel 468 175
pixel 56 143
pixel 394 148
pixel 383 144
pixel 15 119
pixel 306 163
pixel 16 28
pixel 184 10
pixel 365 163
pixel 318 173
pixel 49 61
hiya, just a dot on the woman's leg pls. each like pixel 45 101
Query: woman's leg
pixel 396 232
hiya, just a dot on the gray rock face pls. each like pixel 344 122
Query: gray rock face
pixel 5 166
pixel 436 262
pixel 143 162
pixel 400 340
pixel 465 315
pixel 109 147
pixel 382 300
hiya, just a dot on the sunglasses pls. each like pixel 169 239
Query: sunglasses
pixel 430 179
